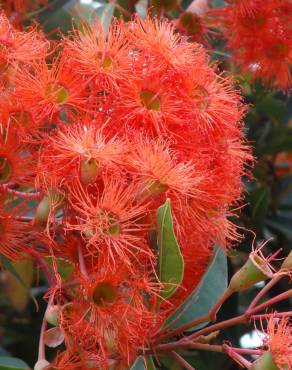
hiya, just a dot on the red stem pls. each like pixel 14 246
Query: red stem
pixel 211 316
pixel 237 357
pixel 264 291
pixel 270 302
pixel 242 318
pixel 22 194
pixel 274 314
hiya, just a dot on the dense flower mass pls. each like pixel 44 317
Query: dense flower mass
pixel 278 342
pixel 19 10
pixel 106 132
pixel 259 35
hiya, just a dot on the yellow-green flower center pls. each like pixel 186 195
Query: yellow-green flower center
pixel 22 118
pixel 150 100
pixel 56 93
pixel 200 95
pixel 104 294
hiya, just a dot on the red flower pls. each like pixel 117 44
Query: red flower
pixel 49 89
pixel 101 58
pixel 160 45
pixel 109 312
pixel 16 161
pixel 17 10
pixel 159 169
pixel 111 221
pixel 15 238
pixel 20 46
pixel 80 149
pixel 278 339
pixel 259 35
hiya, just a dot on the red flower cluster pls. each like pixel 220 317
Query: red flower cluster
pixel 259 35
pixel 106 132
pixel 18 10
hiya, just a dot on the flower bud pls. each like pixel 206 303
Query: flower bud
pixel 42 365
pixel 89 171
pixel 52 201
pixel 150 189
pixel 255 269
pixel 42 211
pixel 264 362
pixel 52 315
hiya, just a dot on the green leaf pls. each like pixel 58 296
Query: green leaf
pixel 139 364
pixel 9 267
pixel 271 107
pixel 10 363
pixel 64 266
pixel 171 262
pixel 105 14
pixel 142 8
pixel 278 139
pixel 281 225
pixel 260 201
pixel 218 3
pixel 203 298
pixel 61 20
pixel 17 292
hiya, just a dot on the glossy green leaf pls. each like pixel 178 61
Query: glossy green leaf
pixel 171 262
pixel 271 107
pixel 218 3
pixel 105 14
pixel 9 267
pixel 260 200
pixel 18 293
pixel 203 298
pixel 64 266
pixel 140 365
pixel 142 8
pixel 10 363
pixel 281 225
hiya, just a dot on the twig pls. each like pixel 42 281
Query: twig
pixel 237 357
pixel 264 291
pixel 211 316
pixel 21 194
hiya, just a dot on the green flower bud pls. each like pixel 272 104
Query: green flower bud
pixel 52 315
pixel 255 269
pixel 264 362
